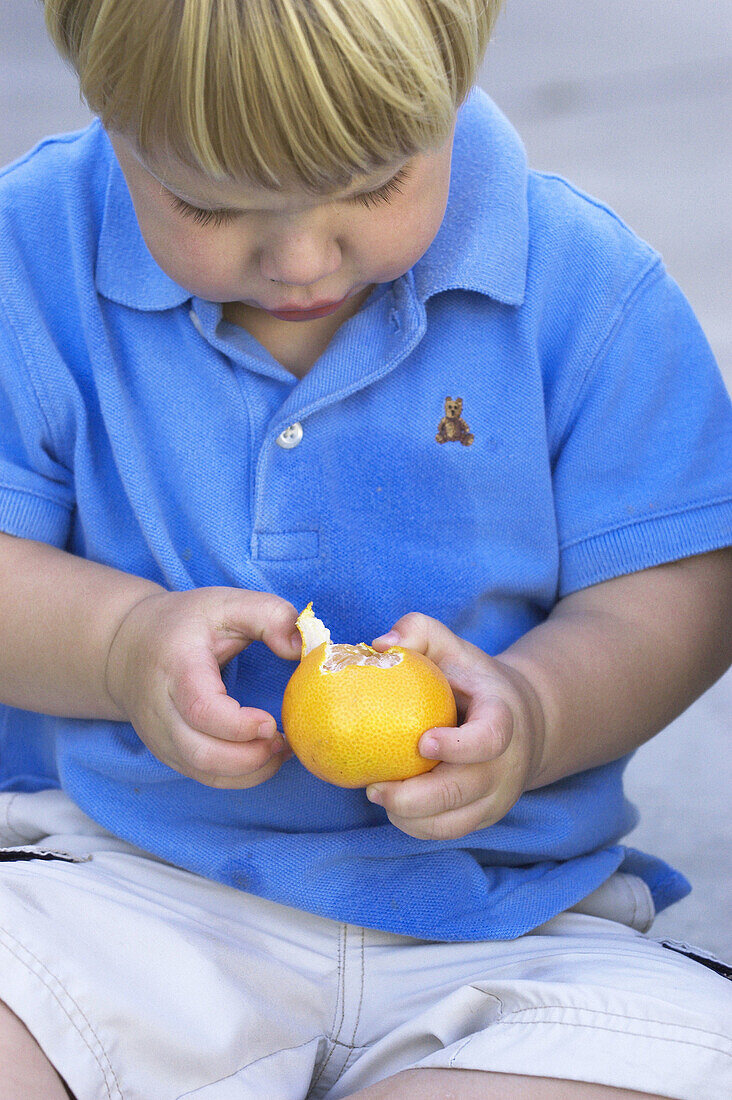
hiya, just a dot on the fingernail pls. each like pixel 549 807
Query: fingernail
pixel 374 794
pixel 429 746
pixel 267 729
pixel 278 744
pixel 388 639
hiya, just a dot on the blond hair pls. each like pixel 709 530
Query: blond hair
pixel 276 92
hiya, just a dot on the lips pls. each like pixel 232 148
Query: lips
pixel 292 313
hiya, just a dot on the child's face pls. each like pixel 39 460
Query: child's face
pixel 283 254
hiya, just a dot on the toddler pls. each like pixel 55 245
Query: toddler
pixel 293 321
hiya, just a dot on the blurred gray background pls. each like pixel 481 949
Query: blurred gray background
pixel 629 99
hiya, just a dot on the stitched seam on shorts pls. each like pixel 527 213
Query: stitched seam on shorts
pixel 509 1018
pixel 609 1015
pixel 235 1074
pixel 334 1032
pixel 604 953
pixel 360 996
pixel 471 1037
pixel 352 1045
pixel 47 978
pixel 339 1007
pixel 622 1031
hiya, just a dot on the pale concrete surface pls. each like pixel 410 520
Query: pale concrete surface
pixel 631 101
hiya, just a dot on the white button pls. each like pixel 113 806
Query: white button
pixel 195 321
pixel 290 437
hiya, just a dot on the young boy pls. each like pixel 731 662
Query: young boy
pixel 238 316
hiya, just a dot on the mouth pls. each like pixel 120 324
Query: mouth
pixel 292 313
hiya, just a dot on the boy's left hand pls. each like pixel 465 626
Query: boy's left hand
pixel 486 762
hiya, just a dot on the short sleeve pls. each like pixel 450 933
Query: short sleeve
pixel 643 471
pixel 36 489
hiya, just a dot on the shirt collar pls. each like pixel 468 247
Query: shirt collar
pixel 125 270
pixel 482 244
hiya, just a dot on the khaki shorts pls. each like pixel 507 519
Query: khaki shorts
pixel 145 982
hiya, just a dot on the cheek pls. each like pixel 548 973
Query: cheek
pixel 201 263
pixel 404 237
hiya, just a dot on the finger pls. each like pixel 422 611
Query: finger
pixel 485 734
pixel 216 762
pixel 247 616
pixel 453 825
pixel 235 782
pixel 253 779
pixel 454 655
pixel 445 789
pixel 200 698
pixel 463 800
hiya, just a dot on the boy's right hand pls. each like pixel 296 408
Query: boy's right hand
pixel 163 673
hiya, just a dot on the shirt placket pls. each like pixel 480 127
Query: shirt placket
pixel 288 523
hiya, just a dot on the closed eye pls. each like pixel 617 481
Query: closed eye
pixel 371 199
pixel 200 215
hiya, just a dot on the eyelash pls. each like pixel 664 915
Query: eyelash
pixel 371 199
pixel 216 218
pixel 199 215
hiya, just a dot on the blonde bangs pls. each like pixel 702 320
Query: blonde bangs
pixel 278 93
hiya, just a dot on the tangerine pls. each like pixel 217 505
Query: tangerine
pixel 354 716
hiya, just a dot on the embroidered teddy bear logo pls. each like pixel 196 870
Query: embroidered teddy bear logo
pixel 452 428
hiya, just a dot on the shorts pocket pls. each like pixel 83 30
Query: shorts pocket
pixel 699 955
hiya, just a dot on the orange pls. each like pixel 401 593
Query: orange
pixel 354 716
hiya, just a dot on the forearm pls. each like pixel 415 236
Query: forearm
pixel 58 616
pixel 615 663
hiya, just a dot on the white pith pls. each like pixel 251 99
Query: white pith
pixel 312 631
pixel 340 655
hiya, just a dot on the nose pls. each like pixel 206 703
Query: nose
pixel 300 256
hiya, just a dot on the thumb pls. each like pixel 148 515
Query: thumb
pixel 248 616
pixel 431 637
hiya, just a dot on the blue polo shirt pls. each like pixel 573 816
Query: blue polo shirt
pixel 140 430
